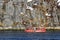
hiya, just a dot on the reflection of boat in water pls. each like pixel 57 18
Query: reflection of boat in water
pixel 35 30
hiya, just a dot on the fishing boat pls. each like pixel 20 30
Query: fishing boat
pixel 35 30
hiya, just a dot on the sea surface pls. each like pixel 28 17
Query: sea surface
pixel 18 35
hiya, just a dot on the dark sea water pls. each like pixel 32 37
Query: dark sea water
pixel 17 35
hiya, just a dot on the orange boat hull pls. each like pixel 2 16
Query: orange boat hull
pixel 29 30
pixel 41 30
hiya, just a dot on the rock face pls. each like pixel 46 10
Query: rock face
pixel 14 8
